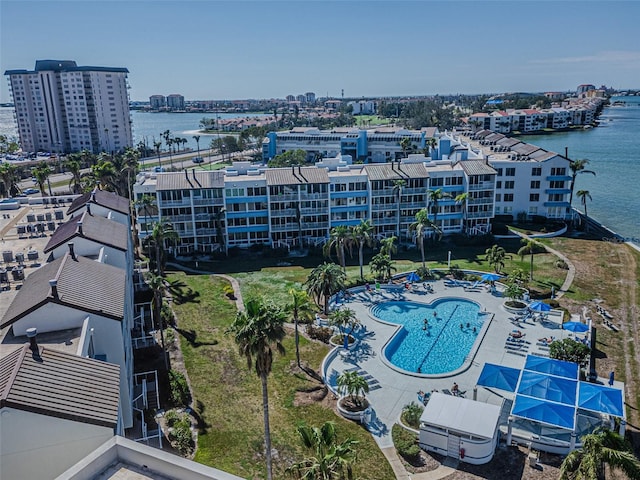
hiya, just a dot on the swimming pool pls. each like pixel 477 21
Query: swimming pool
pixel 437 346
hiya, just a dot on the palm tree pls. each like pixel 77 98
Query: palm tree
pixel 405 145
pixel 462 199
pixel 584 195
pixel 339 239
pixel 362 235
pixel 529 248
pixel 381 265
pixel 103 173
pixel 157 146
pixel 160 234
pixel 495 257
pixel 422 226
pixel 170 142
pixel 156 283
pixel 388 246
pixel 577 167
pixel 145 202
pixel 300 308
pixel 434 198
pixel 353 385
pixel 330 460
pixel 600 449
pixel 41 174
pixel 197 139
pixel 257 331
pixel 9 178
pixel 324 281
pixel 73 166
pixel 344 318
pixel 398 185
pixel 218 220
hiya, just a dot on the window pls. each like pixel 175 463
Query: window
pixel 498 197
pixel 556 184
pixel 535 184
pixel 499 172
pixel 508 197
pixel 510 184
pixel 533 210
pixel 511 172
pixel 536 171
pixel 534 197
pixel 558 171
pixel 499 184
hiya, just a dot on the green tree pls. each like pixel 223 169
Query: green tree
pixel 345 319
pixel 157 285
pixel 513 290
pixel 73 165
pixel 161 233
pixel 600 449
pixel 462 199
pixel 146 202
pixel 381 266
pixel 435 196
pixel 42 173
pixel 324 281
pixel 405 145
pixel 577 167
pixel 388 246
pixel 495 257
pixel 258 331
pixel 329 459
pixel 157 146
pixel 398 185
pixel 288 159
pixel 584 195
pixel 9 177
pixel 353 385
pixel 197 139
pixel 300 308
pixel 570 351
pixel 340 241
pixel 362 235
pixel 529 247
pixel 422 226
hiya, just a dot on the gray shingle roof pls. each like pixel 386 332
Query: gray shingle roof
pixel 107 200
pixel 83 284
pixel 524 148
pixel 296 175
pixel 98 229
pixel 189 180
pixel 542 155
pixel 389 171
pixel 60 385
pixel 477 167
pixel 508 142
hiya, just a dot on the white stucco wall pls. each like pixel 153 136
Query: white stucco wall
pixel 38 446
pixel 84 247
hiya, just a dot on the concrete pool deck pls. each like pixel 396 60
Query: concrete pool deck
pixel 391 390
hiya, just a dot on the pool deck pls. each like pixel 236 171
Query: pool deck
pixel 391 390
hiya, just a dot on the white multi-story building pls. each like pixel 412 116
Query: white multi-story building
pixel 175 101
pixel 61 107
pixel 156 102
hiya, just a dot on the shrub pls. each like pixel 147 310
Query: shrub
pixel 181 436
pixel 229 292
pixel 171 417
pixel 405 443
pixel 411 414
pixel 456 273
pixel 319 333
pixel 424 273
pixel 562 265
pixel 179 389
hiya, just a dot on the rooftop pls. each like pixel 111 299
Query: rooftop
pixel 108 200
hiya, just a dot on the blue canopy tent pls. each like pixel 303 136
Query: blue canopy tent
pixel 559 368
pixel 490 277
pixel 538 306
pixel 577 327
pixel 548 387
pixel 550 413
pixel 598 398
pixel 496 376
pixel 413 277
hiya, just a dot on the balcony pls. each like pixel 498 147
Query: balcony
pixel 283 198
pixel 482 186
pixel 479 201
pixel 557 191
pixel 558 178
pixel 479 215
pixel 208 201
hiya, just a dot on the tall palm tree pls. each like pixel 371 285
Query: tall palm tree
pixel 161 233
pixel 577 167
pixel 9 177
pixel 156 283
pixel 600 449
pixel 362 235
pixel 340 240
pixel 41 174
pixel 345 319
pixel 300 308
pixel 257 331
pixel 398 185
pixel 324 281
pixel 529 247
pixel 495 257
pixel 170 143
pixel 157 146
pixel 388 246
pixel 381 265
pixel 197 139
pixel 434 199
pixel 462 199
pixel 330 460
pixel 73 166
pixel 405 145
pixel 146 202
pixel 584 195
pixel 422 226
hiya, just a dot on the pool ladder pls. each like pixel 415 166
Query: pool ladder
pixel 424 359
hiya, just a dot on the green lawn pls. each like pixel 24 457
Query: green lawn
pixel 227 395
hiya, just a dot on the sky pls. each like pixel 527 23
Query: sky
pixel 207 49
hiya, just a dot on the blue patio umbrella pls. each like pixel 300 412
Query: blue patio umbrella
pixel 490 277
pixel 577 327
pixel 413 277
pixel 539 306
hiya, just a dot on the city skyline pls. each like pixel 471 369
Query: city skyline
pixel 238 50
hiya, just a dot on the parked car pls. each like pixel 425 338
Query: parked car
pixel 197 159
pixel 158 169
pixel 30 191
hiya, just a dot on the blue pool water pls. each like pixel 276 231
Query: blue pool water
pixel 445 343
